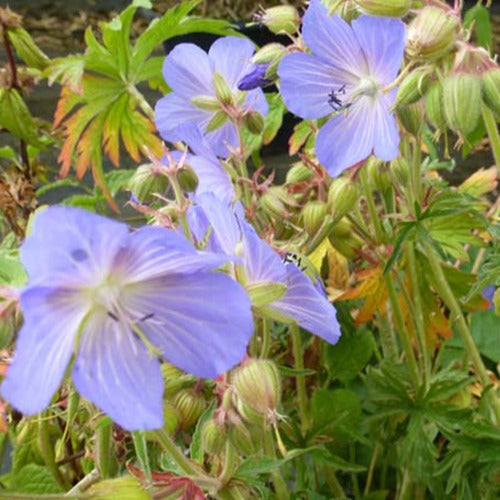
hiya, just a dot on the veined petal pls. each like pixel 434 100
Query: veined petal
pixel 212 179
pixel 222 139
pixel 192 136
pixel 44 347
pixel 175 115
pixel 347 138
pixel 383 42
pixel 230 56
pixel 201 322
pixel 70 246
pixel 188 72
pixel 256 101
pixel 152 252
pixel 307 307
pixel 386 135
pixel 332 39
pixel 115 371
pixel 306 82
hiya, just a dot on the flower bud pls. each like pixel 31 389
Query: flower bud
pixel 348 246
pixel 170 417
pixel 342 196
pixel 222 90
pixel 411 117
pixel 431 34
pixel 281 19
pixel 257 385
pixel 121 487
pixel 190 405
pixel 254 79
pixel 378 174
pixel 146 181
pixel 269 53
pixel 188 180
pixel 275 200
pixel 400 169
pixel 218 119
pixel 206 102
pixel 9 18
pixel 480 182
pixel 298 173
pixel 342 228
pixel 313 215
pixel 241 439
pixel 490 87
pixel 434 107
pixel 254 122
pixel 392 8
pixel 413 87
pixel 213 436
pixel 462 102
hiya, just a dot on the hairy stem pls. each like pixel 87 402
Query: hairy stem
pixel 298 353
pixel 492 129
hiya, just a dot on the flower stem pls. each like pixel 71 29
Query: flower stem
pixel 491 128
pixel 103 451
pixel 229 463
pixel 379 232
pixel 266 338
pixel 278 481
pixel 301 380
pixel 371 468
pixel 451 302
pixel 416 173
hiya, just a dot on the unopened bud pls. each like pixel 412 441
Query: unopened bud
pixel 480 182
pixel 222 90
pixel 146 181
pixel 391 8
pixel 342 228
pixel 190 405
pixel 434 107
pixel 268 53
pixel 274 202
pixel 342 196
pixel 298 173
pixel 413 87
pixel 262 293
pixel 206 102
pixel 121 487
pixel 431 34
pixel 254 122
pixel 170 417
pixel 490 86
pixel 281 19
pixel 378 174
pixel 213 436
pixel 400 169
pixel 9 19
pixel 313 214
pixel 462 102
pixel 258 386
pixel 218 119
pixel 348 246
pixel 412 117
pixel 188 180
pixel 241 439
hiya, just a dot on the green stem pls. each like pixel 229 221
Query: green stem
pixel 333 483
pixel 387 340
pixel 451 302
pixel 405 339
pixel 84 484
pixel 416 174
pixel 266 338
pixel 229 463
pixel 354 477
pixel 371 468
pixel 379 232
pixel 278 481
pixel 492 129
pixel 181 200
pixel 301 380
pixel 104 434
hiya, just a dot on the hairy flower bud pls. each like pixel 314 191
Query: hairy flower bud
pixel 190 405
pixel 313 215
pixel 431 34
pixel 346 244
pixel 342 196
pixel 462 102
pixel 222 90
pixel 206 102
pixel 241 439
pixel 275 201
pixel 400 169
pixel 412 117
pixel 490 87
pixel 281 19
pixel 254 122
pixel 146 181
pixel 392 8
pixel 213 436
pixel 188 180
pixel 262 293
pixel 434 107
pixel 298 173
pixel 413 87
pixel 268 53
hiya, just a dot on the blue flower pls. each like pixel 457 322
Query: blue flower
pixel 116 301
pixel 345 75
pixel 255 78
pixel 229 233
pixel 189 71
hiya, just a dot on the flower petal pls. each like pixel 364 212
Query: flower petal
pixel 333 40
pixel 70 245
pixel 44 347
pixel 383 43
pixel 212 178
pixel 223 139
pixel 306 82
pixel 115 371
pixel 309 308
pixel 201 322
pixel 188 72
pixel 231 57
pixel 347 138
pixel 256 101
pixel 386 135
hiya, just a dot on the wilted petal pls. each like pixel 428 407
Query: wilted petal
pixel 347 138
pixel 188 72
pixel 386 135
pixel 383 42
pixel 306 82
pixel 115 371
pixel 202 323
pixel 332 39
pixel 44 347
pixel 307 307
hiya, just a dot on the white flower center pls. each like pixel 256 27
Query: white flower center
pixel 366 87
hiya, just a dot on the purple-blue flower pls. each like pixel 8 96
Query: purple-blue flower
pixel 345 74
pixel 116 301
pixel 255 78
pixel 189 71
pixel 229 233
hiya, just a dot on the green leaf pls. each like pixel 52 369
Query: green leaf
pixel 301 133
pixel 196 449
pixel 346 359
pixel 117 179
pixel 59 183
pixel 287 371
pixel 274 117
pixel 485 329
pixel 141 452
pixel 66 71
pixel 323 456
pixel 145 4
pixel 12 272
pixel 34 479
pixel 257 465
pixel 27 49
pixel 480 16
pixel 89 202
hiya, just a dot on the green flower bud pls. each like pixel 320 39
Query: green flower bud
pixel 218 119
pixel 125 487
pixel 146 181
pixel 391 8
pixel 213 436
pixel 275 200
pixel 431 34
pixel 188 179
pixel 298 173
pixel 462 102
pixel 411 117
pixel 434 107
pixel 222 90
pixel 241 439
pixel 378 174
pixel 206 102
pixel 313 214
pixel 190 405
pixel 413 87
pixel 342 196
pixel 269 53
pixel 347 245
pixel 281 19
pixel 254 122
pixel 262 293
pixel 342 228
pixel 257 385
pixel 171 417
pixel 400 169
pixel 490 87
